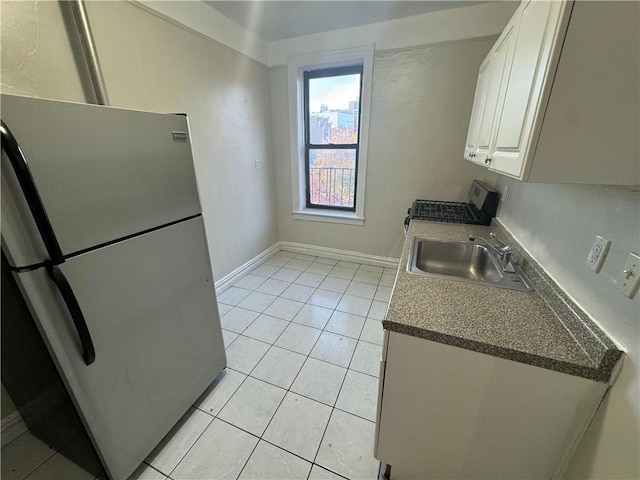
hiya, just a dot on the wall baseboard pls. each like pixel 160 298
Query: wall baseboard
pixel 229 279
pixel 337 254
pixel 12 427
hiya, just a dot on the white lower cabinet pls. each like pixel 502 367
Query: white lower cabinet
pixel 447 412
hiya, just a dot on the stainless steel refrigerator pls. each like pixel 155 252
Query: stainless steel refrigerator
pixel 103 232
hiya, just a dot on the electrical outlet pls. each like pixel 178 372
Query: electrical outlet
pixel 629 277
pixel 257 164
pixel 598 251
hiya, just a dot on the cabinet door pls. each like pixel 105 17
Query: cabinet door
pixel 499 58
pixel 476 112
pixel 519 101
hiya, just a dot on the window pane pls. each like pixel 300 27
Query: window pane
pixel 334 109
pixel 332 177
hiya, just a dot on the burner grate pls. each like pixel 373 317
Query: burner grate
pixel 456 212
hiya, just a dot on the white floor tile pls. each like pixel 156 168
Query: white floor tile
pixel 250 282
pixel 59 467
pixel 368 276
pixel 220 452
pixel 325 298
pixel 319 473
pixel 286 274
pixel 145 472
pixel 319 268
pixel 298 425
pixel 298 338
pixel 228 337
pixel 219 393
pixel 298 264
pixel 257 301
pixel 366 358
pixel 265 270
pixel 332 348
pixel 286 253
pixel 266 328
pixel 319 381
pixel 238 319
pixel 313 316
pixel 299 293
pixel 356 305
pixel 252 406
pixel 279 367
pixel 277 261
pixel 388 279
pixel 302 256
pixel 392 271
pixel 284 308
pixel 347 447
pixel 361 289
pixel 334 284
pixel 23 456
pixel 223 308
pixel 378 310
pixel 346 324
pixel 344 264
pixel 245 353
pixel 166 456
pixel 233 295
pixel 359 395
pixel 268 462
pixel 342 272
pixel 372 332
pixel 310 279
pixel 383 294
pixel 371 268
pixel 273 286
pixel 326 261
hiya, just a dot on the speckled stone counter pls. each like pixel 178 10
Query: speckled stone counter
pixel 542 328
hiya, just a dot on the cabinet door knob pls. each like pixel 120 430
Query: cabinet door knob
pixel 487 160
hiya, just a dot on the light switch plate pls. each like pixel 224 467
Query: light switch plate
pixel 629 277
pixel 598 251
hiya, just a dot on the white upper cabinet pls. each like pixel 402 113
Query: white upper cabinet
pixel 496 69
pixel 565 107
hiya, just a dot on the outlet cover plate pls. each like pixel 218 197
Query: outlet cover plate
pixel 629 276
pixel 598 251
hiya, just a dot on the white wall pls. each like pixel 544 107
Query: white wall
pixel 152 64
pixel 421 103
pixel 557 224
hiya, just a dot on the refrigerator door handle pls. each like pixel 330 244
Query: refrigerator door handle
pixel 88 351
pixel 28 186
pixel 19 164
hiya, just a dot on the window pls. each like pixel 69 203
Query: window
pixel 329 107
pixel 332 123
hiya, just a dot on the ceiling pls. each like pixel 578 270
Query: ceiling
pixel 277 20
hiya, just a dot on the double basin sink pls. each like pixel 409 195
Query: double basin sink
pixel 465 261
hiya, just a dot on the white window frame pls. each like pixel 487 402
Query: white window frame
pixel 296 65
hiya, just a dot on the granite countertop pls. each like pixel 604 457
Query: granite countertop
pixel 542 328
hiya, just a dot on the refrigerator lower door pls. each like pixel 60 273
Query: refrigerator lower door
pixel 150 307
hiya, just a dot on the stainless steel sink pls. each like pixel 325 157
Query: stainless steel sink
pixel 465 261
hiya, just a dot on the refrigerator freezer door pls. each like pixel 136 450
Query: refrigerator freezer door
pixel 151 310
pixel 103 173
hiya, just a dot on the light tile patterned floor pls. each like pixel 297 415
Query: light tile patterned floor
pixel 297 401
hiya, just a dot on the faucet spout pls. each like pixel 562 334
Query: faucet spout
pixel 501 249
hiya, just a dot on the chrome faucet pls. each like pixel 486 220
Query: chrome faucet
pixel 501 249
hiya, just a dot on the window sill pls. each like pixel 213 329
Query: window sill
pixel 328 216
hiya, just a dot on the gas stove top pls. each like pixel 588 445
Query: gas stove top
pixel 479 211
